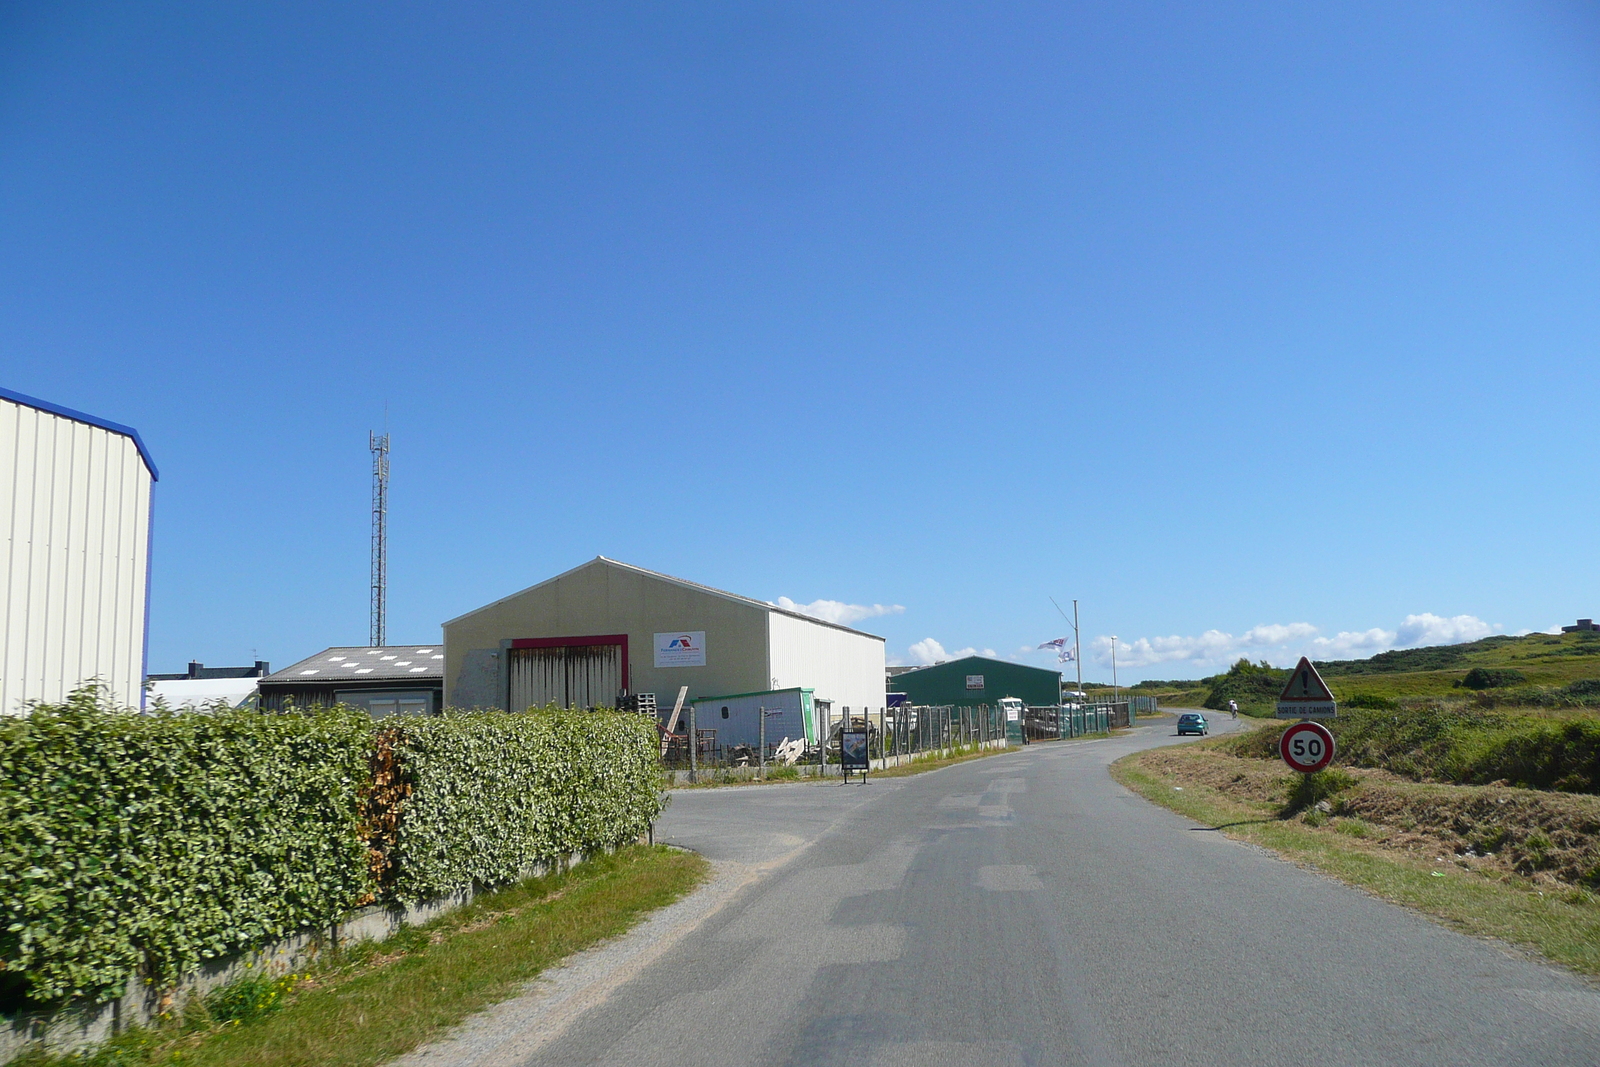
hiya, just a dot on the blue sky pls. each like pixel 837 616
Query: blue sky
pixel 1256 328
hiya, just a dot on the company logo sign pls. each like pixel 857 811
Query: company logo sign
pixel 681 648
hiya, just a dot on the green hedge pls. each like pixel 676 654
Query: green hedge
pixel 492 793
pixel 145 845
pixel 150 844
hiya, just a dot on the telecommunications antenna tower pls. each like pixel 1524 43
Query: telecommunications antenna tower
pixel 380 536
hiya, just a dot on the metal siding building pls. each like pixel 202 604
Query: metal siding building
pixel 947 683
pixel 790 713
pixel 75 496
pixel 385 680
pixel 582 636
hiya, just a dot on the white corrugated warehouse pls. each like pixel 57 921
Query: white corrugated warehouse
pixel 74 568
pixel 582 637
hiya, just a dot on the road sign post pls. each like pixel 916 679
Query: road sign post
pixel 1306 696
pixel 1306 747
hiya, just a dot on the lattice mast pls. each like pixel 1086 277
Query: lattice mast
pixel 379 446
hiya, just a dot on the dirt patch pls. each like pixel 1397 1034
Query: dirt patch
pixel 1552 839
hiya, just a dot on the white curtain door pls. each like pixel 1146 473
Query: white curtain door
pixel 572 676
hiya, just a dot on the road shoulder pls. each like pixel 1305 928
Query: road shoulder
pixel 1562 926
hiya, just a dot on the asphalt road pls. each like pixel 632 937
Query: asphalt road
pixel 1023 909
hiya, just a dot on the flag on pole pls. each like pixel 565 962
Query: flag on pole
pixel 1064 654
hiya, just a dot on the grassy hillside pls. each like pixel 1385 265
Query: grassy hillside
pixel 1533 670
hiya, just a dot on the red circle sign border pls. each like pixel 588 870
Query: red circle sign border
pixel 1303 728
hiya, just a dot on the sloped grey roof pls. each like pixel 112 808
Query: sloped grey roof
pixel 408 663
pixel 603 560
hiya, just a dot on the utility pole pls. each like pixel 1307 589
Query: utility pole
pixel 1077 651
pixel 379 446
pixel 1113 668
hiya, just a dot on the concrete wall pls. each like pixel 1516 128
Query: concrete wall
pixel 75 518
pixel 842 666
pixel 602 597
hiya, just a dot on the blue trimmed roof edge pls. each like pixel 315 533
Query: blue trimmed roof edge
pixel 79 416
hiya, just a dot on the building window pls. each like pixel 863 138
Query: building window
pixel 724 713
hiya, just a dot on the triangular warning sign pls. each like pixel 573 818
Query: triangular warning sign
pixel 1306 684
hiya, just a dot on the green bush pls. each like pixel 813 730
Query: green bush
pixel 1468 745
pixel 248 998
pixel 493 793
pixel 145 845
pixel 1308 789
pixel 1254 685
pixel 1489 678
pixel 1535 754
pixel 150 844
pixel 1584 690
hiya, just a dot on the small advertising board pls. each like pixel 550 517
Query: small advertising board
pixel 681 648
pixel 854 754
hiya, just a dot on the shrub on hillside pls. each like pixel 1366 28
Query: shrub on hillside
pixel 1254 685
pixel 1493 678
pixel 1584 691
pixel 1536 754
pixel 1453 744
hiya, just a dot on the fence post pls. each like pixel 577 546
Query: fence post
pixel 694 747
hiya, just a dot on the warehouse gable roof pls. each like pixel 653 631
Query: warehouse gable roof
pixel 973 659
pixel 658 576
pixel 397 663
pixel 91 420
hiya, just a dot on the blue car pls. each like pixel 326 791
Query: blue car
pixel 1191 723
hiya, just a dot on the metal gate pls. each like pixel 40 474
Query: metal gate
pixel 568 676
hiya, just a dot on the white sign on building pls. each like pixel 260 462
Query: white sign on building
pixel 974 681
pixel 681 649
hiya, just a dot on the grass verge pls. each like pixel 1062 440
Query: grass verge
pixel 933 761
pixel 1563 926
pixel 375 1001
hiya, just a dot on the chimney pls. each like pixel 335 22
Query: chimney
pixel 195 668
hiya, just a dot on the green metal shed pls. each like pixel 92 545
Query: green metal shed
pixel 975 680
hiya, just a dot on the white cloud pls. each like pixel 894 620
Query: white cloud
pixel 1351 644
pixel 1283 643
pixel 1427 629
pixel 928 651
pixel 838 611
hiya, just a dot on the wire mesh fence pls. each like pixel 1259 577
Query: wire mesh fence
pixel 904 731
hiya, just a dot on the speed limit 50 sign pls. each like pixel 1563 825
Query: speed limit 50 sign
pixel 1306 747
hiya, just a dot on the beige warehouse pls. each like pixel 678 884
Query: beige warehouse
pixel 581 637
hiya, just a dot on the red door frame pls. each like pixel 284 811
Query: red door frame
pixel 570 642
